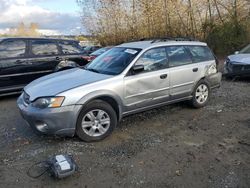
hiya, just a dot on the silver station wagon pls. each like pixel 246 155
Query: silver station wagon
pixel 127 79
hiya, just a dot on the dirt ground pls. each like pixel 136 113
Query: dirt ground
pixel 173 146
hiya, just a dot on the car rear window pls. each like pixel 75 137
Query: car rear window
pixel 70 47
pixel 200 53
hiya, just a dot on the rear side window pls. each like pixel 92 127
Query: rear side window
pixel 200 53
pixel 178 56
pixel 70 47
pixel 45 47
pixel 12 48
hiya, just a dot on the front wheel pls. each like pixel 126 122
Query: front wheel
pixel 201 94
pixel 96 121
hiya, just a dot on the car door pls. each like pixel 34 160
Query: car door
pixel 44 56
pixel 13 64
pixel 152 84
pixel 183 71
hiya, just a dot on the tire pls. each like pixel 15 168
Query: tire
pixel 201 94
pixel 96 121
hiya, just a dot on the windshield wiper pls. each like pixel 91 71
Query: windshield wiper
pixel 93 70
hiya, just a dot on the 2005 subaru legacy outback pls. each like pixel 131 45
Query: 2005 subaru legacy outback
pixel 127 79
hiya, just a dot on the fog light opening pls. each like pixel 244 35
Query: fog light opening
pixel 41 126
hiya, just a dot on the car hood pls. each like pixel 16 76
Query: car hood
pixel 240 58
pixel 56 83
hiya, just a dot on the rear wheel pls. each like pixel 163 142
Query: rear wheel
pixel 96 121
pixel 201 94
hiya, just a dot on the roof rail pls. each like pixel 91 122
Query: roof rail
pixel 173 39
pixel 164 39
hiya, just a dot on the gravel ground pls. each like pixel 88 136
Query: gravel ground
pixel 173 146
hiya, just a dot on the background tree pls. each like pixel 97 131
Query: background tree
pixel 224 24
pixel 22 30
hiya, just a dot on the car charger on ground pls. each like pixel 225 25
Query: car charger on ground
pixel 59 166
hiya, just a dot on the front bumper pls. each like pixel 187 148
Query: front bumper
pixel 236 69
pixel 54 121
pixel 214 80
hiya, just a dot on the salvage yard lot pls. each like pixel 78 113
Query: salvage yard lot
pixel 173 146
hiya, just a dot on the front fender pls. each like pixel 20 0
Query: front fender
pixel 102 93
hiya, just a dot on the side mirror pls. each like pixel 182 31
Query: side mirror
pixel 237 52
pixel 137 68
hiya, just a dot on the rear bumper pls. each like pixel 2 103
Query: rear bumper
pixel 52 121
pixel 214 80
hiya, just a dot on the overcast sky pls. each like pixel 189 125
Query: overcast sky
pixel 52 16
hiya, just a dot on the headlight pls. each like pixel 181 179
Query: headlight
pixel 226 62
pixel 48 102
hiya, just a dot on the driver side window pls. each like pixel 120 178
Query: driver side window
pixel 153 60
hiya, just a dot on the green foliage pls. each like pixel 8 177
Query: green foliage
pixel 227 38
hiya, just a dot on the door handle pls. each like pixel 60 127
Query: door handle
pixel 195 69
pixel 58 58
pixel 163 76
pixel 18 61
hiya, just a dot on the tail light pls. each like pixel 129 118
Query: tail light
pixel 88 58
pixel 212 69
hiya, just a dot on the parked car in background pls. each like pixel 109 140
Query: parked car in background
pixel 23 60
pixel 89 49
pixel 96 53
pixel 238 64
pixel 127 79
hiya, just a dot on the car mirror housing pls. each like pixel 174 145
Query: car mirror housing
pixel 137 68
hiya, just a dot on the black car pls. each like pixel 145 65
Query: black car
pixel 23 60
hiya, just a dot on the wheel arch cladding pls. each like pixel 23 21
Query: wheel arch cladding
pixel 112 102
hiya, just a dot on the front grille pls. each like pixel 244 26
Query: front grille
pixel 26 98
pixel 239 68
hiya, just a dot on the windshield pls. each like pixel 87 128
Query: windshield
pixel 245 50
pixel 100 51
pixel 114 61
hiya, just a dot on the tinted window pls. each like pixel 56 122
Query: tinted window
pixel 90 48
pixel 14 48
pixel 154 59
pixel 100 51
pixel 70 47
pixel 44 47
pixel 177 56
pixel 114 61
pixel 200 53
pixel 245 50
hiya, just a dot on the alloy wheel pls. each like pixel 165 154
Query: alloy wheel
pixel 201 94
pixel 96 123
